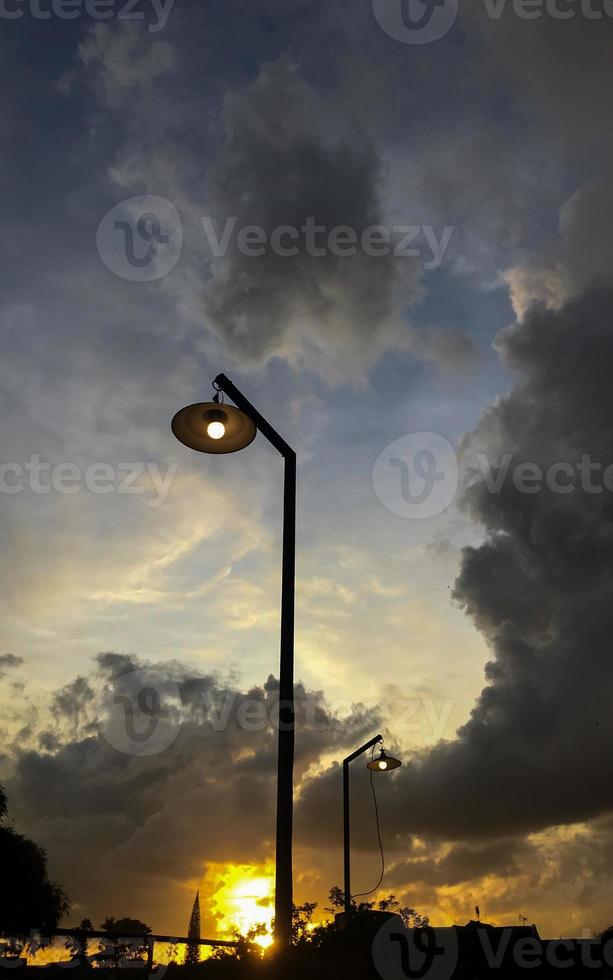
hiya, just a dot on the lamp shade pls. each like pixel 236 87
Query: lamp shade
pixel 211 428
pixel 385 763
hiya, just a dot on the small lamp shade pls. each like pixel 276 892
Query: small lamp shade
pixel 211 428
pixel 385 763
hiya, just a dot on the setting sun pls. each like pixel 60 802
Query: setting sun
pixel 244 901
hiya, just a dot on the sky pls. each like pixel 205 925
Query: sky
pixel 390 225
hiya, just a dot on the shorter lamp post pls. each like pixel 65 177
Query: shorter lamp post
pixel 384 763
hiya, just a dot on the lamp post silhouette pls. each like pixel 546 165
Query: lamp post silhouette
pixel 385 763
pixel 215 427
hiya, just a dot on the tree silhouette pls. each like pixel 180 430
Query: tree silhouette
pixel 28 899
pixel 192 953
pixel 126 949
pixel 127 926
pixel 79 943
pixel 410 917
pixel 302 921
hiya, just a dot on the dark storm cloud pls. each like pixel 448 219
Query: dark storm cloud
pixel 69 703
pixel 170 813
pixel 465 862
pixel 284 162
pixel 537 748
pixel 276 152
pixel 539 742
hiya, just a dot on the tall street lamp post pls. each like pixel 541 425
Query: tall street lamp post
pixel 384 763
pixel 215 427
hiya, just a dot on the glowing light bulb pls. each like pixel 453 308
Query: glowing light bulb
pixel 216 430
pixel 382 765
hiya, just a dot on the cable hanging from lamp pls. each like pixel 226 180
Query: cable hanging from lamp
pixel 381 851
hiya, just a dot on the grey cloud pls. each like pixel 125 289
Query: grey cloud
pixel 8 661
pixel 281 165
pixel 532 58
pixel 565 118
pixel 124 60
pixel 290 153
pixel 452 350
pixel 167 815
pixel 580 256
pixel 466 862
pixel 586 230
pixel 539 741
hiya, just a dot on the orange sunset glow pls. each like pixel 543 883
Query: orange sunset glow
pixel 244 900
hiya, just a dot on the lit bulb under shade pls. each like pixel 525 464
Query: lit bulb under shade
pixel 385 763
pixel 216 430
pixel 211 428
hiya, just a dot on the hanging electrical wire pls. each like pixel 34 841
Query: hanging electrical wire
pixel 381 851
